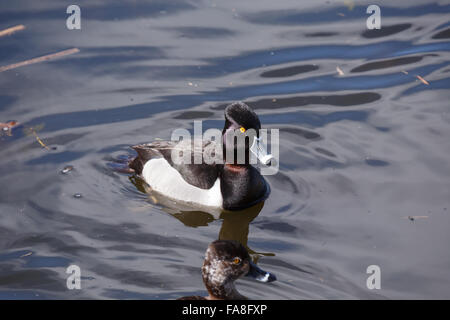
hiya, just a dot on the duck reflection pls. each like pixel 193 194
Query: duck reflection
pixel 235 224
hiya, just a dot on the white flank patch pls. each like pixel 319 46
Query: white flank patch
pixel 266 277
pixel 163 178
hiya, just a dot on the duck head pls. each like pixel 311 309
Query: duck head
pixel 225 262
pixel 240 135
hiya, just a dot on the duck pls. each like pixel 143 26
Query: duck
pixel 231 184
pixel 225 262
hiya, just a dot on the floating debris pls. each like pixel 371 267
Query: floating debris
pixel 405 72
pixel 26 254
pixel 11 30
pixel 339 70
pixel 39 59
pixel 28 131
pixel 32 131
pixel 412 218
pixel 77 196
pixel 350 4
pixel 67 169
pixel 8 126
pixel 423 80
pixel 43 145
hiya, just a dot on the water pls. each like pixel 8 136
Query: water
pixel 364 169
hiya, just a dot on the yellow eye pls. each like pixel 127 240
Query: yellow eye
pixel 242 129
pixel 237 260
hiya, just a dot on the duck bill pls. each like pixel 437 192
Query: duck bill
pixel 260 152
pixel 259 274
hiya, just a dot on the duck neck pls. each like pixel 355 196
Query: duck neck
pixel 235 159
pixel 233 154
pixel 220 286
pixel 224 291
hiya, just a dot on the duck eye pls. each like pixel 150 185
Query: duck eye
pixel 242 129
pixel 237 260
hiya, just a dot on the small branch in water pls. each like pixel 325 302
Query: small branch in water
pixel 39 59
pixel 423 80
pixel 39 140
pixel 339 70
pixel 11 30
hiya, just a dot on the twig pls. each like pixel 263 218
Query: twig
pixel 339 70
pixel 423 80
pixel 26 254
pixel 11 30
pixel 39 140
pixel 39 59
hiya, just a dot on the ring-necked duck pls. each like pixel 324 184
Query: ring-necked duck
pixel 230 185
pixel 225 262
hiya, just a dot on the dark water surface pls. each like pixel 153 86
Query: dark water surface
pixel 364 157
